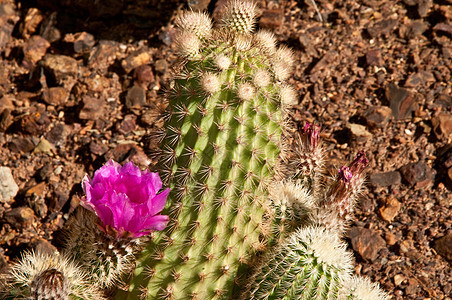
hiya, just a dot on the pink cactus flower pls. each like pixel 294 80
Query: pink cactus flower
pixel 126 200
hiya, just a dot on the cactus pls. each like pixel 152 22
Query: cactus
pixel 311 264
pixel 248 216
pixel 220 152
pixel 44 276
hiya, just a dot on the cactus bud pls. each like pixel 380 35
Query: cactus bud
pixel 188 44
pixel 261 78
pixel 246 91
pixel 266 40
pixel 223 62
pixel 197 23
pixel 210 83
pixel 239 16
pixel 288 95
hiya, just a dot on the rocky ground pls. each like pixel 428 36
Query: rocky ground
pixel 80 83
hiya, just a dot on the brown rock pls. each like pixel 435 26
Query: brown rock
pixel 31 22
pixel 401 101
pixel 385 179
pixel 366 242
pixel 442 125
pixel 35 48
pixel 61 65
pixel 377 116
pixel 383 27
pixel 390 209
pixel 98 148
pixel 359 132
pixel 390 238
pixel 55 95
pixel 58 134
pixel 136 59
pixel 83 41
pixel 143 75
pixel 64 69
pixel 21 145
pixel 161 66
pixel 8 19
pixel 443 27
pixel 444 247
pixel 44 246
pixel 419 78
pixel 20 217
pixel 103 55
pixel 129 152
pixel 373 58
pixel 149 117
pixel 417 174
pixel 127 125
pixel 272 18
pixel 136 97
pixel 35 198
pixel 93 108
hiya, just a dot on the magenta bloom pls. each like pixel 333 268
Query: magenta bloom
pixel 125 199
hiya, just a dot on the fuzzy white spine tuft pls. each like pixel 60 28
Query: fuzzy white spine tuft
pixel 197 23
pixel 210 83
pixel 246 91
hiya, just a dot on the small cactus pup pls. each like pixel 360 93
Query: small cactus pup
pixel 335 209
pixel 361 288
pixel 311 264
pixel 122 207
pixel 45 276
pixel 221 149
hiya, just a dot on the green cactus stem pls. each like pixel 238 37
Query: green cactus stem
pixel 221 150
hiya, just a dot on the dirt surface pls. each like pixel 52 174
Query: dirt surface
pixel 81 83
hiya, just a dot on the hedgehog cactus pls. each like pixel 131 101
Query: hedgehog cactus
pixel 223 140
pixel 311 264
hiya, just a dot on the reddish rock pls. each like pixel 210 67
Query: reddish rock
pixel 143 75
pixel 31 22
pixel 20 217
pixel 8 19
pixel 127 125
pixel 418 174
pixel 98 148
pixel 35 48
pixel 390 209
pixel 373 58
pixel 136 59
pixel 401 101
pixel 55 95
pixel 444 247
pixel 383 27
pixel 419 78
pixel 93 108
pixel 442 125
pixel 366 242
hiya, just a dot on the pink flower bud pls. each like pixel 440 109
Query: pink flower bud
pixel 125 199
pixel 311 135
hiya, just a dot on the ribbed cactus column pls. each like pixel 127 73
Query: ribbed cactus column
pixel 311 264
pixel 219 154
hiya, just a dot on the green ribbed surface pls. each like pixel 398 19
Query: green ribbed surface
pixel 296 269
pixel 218 156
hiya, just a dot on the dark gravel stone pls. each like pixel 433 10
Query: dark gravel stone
pixel 444 247
pixel 136 97
pixel 418 174
pixel 373 58
pixel 385 179
pixel 442 125
pixel 20 217
pixel 377 116
pixel 401 101
pixel 93 108
pixel 143 75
